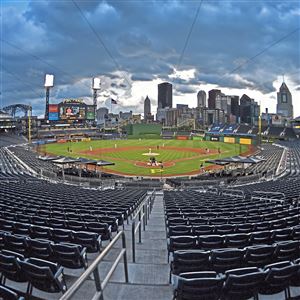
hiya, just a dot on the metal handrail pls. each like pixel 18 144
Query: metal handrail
pixel 263 195
pixel 93 268
pixel 143 214
pixel 233 192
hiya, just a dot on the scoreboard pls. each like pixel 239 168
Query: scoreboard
pixel 71 110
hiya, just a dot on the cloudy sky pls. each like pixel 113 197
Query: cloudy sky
pixel 134 45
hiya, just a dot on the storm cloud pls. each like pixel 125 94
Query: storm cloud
pixel 144 41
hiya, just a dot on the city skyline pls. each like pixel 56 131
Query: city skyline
pixel 147 52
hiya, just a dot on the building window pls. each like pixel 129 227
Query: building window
pixel 283 98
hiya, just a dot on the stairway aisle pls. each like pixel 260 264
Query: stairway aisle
pixel 148 277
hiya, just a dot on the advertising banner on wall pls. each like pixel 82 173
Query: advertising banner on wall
pixel 230 140
pixel 53 108
pixel 53 116
pixel 182 137
pixel 244 141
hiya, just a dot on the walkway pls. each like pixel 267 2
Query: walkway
pixel 148 277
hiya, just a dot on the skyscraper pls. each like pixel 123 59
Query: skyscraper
pixel 201 99
pixel 147 108
pixel 212 95
pixel 284 102
pixel 249 110
pixel 165 97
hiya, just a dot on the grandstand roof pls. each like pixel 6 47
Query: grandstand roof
pixel 49 157
pixel 102 163
pixel 65 160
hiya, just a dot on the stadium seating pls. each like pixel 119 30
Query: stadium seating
pixel 224 242
pixel 8 294
pixel 248 242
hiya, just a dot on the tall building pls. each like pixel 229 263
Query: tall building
pixel 249 110
pixel 165 96
pixel 235 107
pixel 212 95
pixel 147 108
pixel 284 102
pixel 201 99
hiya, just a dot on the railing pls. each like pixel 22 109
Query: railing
pixel 235 193
pixel 143 215
pixel 93 269
pixel 269 196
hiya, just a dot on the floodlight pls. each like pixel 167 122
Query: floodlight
pixel 49 80
pixel 96 83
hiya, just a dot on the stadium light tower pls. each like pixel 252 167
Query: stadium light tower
pixel 96 87
pixel 49 83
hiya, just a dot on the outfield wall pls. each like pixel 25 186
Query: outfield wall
pixel 243 140
pixel 136 131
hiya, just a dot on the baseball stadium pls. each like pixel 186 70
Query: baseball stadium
pixel 149 150
pixel 149 212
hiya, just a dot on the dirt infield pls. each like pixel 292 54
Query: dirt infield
pixel 100 151
pixel 199 151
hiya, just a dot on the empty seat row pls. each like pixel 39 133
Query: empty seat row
pixel 57 230
pixel 238 240
pixel 69 255
pixel 196 228
pixel 177 218
pixel 43 217
pixel 21 243
pixel 220 260
pixel 239 284
pixel 41 274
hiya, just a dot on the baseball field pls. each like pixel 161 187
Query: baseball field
pixel 136 157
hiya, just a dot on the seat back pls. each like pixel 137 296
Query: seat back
pixel 202 287
pixel 226 259
pixel 242 284
pixel 259 255
pixel 190 261
pixel 10 267
pixel 279 277
pixel 211 242
pixel 90 240
pixel 69 255
pixel 42 275
pixel 8 294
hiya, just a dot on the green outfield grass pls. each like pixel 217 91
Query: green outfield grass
pixel 183 160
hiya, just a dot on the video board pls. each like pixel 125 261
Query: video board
pixel 72 112
pixel 90 112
